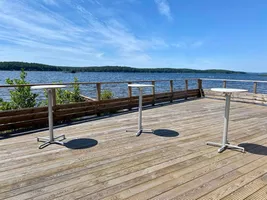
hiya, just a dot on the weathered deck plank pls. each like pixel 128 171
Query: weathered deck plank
pixel 150 166
pixel 260 194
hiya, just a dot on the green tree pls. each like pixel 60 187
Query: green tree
pixel 42 67
pixel 20 97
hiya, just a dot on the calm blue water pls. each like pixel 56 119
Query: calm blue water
pixel 120 90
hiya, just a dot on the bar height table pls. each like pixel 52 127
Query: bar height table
pixel 225 144
pixel 51 139
pixel 140 87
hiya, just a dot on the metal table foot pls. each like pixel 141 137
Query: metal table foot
pixel 60 136
pixel 139 132
pixel 48 141
pixel 226 146
pixel 42 139
pixel 242 149
pixel 147 130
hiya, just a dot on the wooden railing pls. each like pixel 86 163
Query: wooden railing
pixel 224 82
pixel 37 117
pixel 249 97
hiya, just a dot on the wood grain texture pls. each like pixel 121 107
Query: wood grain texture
pixel 173 163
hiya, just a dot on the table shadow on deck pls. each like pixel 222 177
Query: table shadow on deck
pixel 256 148
pixel 165 133
pixel 81 143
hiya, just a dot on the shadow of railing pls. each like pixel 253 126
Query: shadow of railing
pixel 81 143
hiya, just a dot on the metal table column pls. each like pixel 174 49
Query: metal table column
pixel 51 139
pixel 225 144
pixel 140 127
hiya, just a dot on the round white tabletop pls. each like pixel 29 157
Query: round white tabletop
pixel 228 90
pixel 47 86
pixel 140 85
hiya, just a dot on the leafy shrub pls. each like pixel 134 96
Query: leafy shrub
pixel 20 97
pixel 66 96
pixel 106 94
pixel 76 92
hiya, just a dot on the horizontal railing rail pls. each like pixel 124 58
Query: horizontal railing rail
pixel 92 83
pixel 224 82
pixel 97 86
pixel 256 94
pixel 232 80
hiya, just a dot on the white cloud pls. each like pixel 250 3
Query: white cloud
pixel 30 31
pixel 164 8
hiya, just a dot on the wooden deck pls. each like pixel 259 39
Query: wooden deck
pixel 171 164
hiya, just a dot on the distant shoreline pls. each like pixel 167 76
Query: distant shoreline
pixel 17 66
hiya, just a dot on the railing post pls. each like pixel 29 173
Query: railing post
pixel 153 93
pixel 224 84
pixel 199 81
pixel 130 96
pixel 186 88
pixel 171 90
pixel 98 91
pixel 255 87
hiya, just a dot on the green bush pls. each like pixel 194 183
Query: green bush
pixel 65 96
pixel 106 94
pixel 20 97
pixel 75 97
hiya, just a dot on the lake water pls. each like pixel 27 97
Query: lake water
pixel 120 90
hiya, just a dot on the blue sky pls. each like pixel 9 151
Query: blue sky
pixel 226 34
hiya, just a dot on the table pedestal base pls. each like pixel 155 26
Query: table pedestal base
pixel 140 131
pixel 225 146
pixel 47 141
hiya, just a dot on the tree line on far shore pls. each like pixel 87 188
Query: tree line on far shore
pixel 17 66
